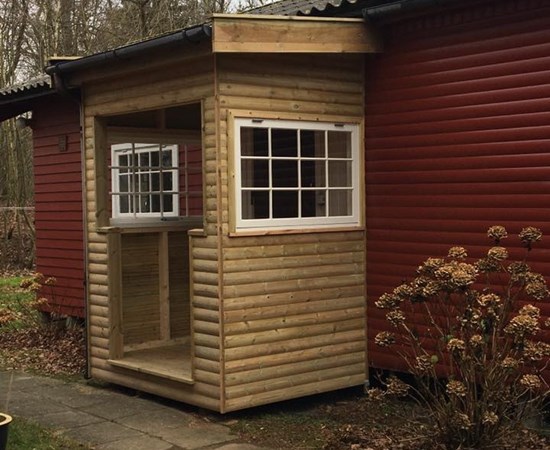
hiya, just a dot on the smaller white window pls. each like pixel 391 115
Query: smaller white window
pixel 144 180
pixel 295 174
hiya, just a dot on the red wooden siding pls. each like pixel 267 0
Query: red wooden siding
pixel 58 202
pixel 193 177
pixel 457 135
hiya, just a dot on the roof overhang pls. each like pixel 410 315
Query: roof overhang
pixel 257 33
pixel 18 99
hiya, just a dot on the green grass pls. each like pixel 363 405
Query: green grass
pixel 16 300
pixel 26 435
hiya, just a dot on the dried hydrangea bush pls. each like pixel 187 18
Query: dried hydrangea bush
pixel 468 333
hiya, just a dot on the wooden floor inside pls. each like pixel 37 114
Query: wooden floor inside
pixel 171 361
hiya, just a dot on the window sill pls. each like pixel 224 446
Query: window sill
pixel 153 227
pixel 282 231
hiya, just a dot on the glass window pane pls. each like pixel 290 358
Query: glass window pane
pixel 154 159
pixel 124 204
pixel 285 204
pixel 284 142
pixel 123 160
pixel 254 141
pixel 123 183
pixel 144 182
pixel 167 178
pixel 313 173
pixel 255 204
pixel 144 204
pixel 167 158
pixel 285 173
pixel 144 159
pixel 255 172
pixel 340 202
pixel 339 144
pixel 314 204
pixel 168 203
pixel 339 173
pixel 312 143
pixel 155 182
pixel 155 203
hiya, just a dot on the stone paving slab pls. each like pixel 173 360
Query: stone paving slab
pixel 102 433
pixel 111 420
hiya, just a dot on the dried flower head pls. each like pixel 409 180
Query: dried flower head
pixel 489 418
pixel 7 316
pixel 535 285
pixel 496 233
pixel 50 281
pixel 462 421
pixel 375 394
pixel 395 317
pixel 403 291
pixel 509 363
pixel 456 275
pixel 456 345
pixel 476 341
pixel 488 265
pixel 429 266
pixel 388 301
pixel 530 310
pixel 521 326
pixel 518 269
pixel 536 351
pixel 497 253
pixel 530 382
pixel 529 235
pixel 384 339
pixel 396 387
pixel 457 252
pixel 457 388
pixel 489 300
pixel 424 363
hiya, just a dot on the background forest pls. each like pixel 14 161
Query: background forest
pixel 31 32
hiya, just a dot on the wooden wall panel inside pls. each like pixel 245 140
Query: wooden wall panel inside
pixel 456 137
pixel 58 203
pixel 178 266
pixel 140 288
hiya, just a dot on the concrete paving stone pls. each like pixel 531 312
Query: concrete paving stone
pixel 31 383
pixel 66 419
pixel 240 446
pixel 194 438
pixel 117 406
pixel 75 396
pixel 152 421
pixel 36 408
pixel 136 443
pixel 102 433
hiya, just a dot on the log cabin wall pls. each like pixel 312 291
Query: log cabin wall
pixel 293 304
pixel 158 82
pixel 456 134
pixel 57 168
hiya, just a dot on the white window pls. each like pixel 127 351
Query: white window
pixel 294 174
pixel 144 180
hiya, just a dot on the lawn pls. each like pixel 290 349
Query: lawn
pixel 26 435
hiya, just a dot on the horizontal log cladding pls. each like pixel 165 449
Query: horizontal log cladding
pixel 456 137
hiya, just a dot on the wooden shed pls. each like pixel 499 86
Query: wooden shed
pixel 59 239
pixel 225 239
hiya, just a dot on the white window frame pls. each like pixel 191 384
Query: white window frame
pixel 271 223
pixel 129 148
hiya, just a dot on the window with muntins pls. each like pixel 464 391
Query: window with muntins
pixel 144 180
pixel 296 174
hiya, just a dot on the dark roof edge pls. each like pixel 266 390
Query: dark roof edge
pixel 192 35
pixel 386 10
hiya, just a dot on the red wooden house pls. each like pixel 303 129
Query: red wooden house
pixel 452 98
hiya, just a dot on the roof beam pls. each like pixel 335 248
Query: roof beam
pixel 283 34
